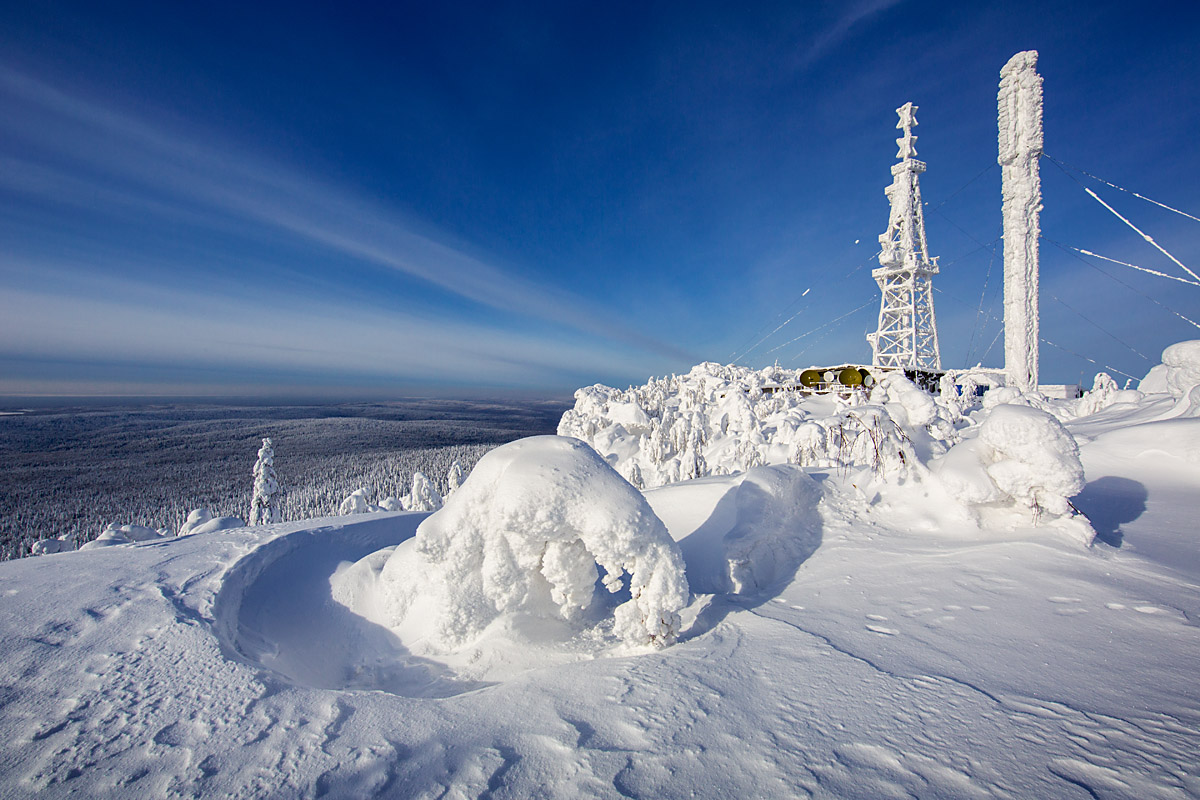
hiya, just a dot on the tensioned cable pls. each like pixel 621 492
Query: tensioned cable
pixel 751 348
pixel 986 170
pixel 1098 327
pixel 1046 341
pixel 1117 214
pixel 1123 263
pixel 822 327
pixel 750 338
pixel 811 345
pixel 995 339
pixel 1143 234
pixel 982 295
pixel 1121 188
pixel 1112 277
pixel 1092 360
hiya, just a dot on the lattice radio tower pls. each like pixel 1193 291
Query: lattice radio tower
pixel 907 335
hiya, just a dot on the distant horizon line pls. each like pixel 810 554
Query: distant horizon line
pixel 13 401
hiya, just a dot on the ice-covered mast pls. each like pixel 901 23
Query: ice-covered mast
pixel 1020 123
pixel 907 333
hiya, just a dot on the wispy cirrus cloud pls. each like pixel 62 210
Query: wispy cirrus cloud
pixel 851 15
pixel 211 333
pixel 79 153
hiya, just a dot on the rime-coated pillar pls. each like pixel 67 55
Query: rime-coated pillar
pixel 1020 125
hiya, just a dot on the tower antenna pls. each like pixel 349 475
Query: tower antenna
pixel 907 334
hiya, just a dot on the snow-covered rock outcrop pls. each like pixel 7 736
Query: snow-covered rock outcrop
pixel 526 537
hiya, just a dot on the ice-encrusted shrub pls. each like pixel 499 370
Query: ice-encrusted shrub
pixel 872 439
pixel 719 419
pixel 1032 458
pixel 1023 458
pixel 357 502
pixel 423 497
pixel 1103 394
pixel 528 534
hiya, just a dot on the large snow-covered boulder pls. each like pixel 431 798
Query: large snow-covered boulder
pixel 521 546
pixel 1179 376
pixel 1178 372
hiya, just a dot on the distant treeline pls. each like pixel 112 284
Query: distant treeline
pixel 72 471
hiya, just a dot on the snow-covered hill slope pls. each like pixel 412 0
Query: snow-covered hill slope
pixel 895 648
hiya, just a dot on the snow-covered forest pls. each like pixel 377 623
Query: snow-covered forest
pixel 70 472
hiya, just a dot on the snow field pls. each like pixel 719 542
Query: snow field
pixel 851 630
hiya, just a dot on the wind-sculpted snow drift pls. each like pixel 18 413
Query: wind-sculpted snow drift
pixel 519 547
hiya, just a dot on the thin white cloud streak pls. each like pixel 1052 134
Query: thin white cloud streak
pixel 182 178
pixel 833 37
pixel 137 324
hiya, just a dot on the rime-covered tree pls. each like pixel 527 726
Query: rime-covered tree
pixel 454 478
pixel 424 497
pixel 264 506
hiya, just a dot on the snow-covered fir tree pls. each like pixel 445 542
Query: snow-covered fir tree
pixel 424 497
pixel 454 477
pixel 264 506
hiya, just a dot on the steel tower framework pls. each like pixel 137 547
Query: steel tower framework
pixel 907 334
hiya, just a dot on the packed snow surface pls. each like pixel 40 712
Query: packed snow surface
pixel 854 627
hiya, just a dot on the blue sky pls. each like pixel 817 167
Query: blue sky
pixel 376 199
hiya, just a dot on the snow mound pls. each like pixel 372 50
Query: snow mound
pixel 1179 376
pixel 201 520
pixel 515 550
pixel 1182 362
pixel 116 534
pixel 766 526
pixel 1023 457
